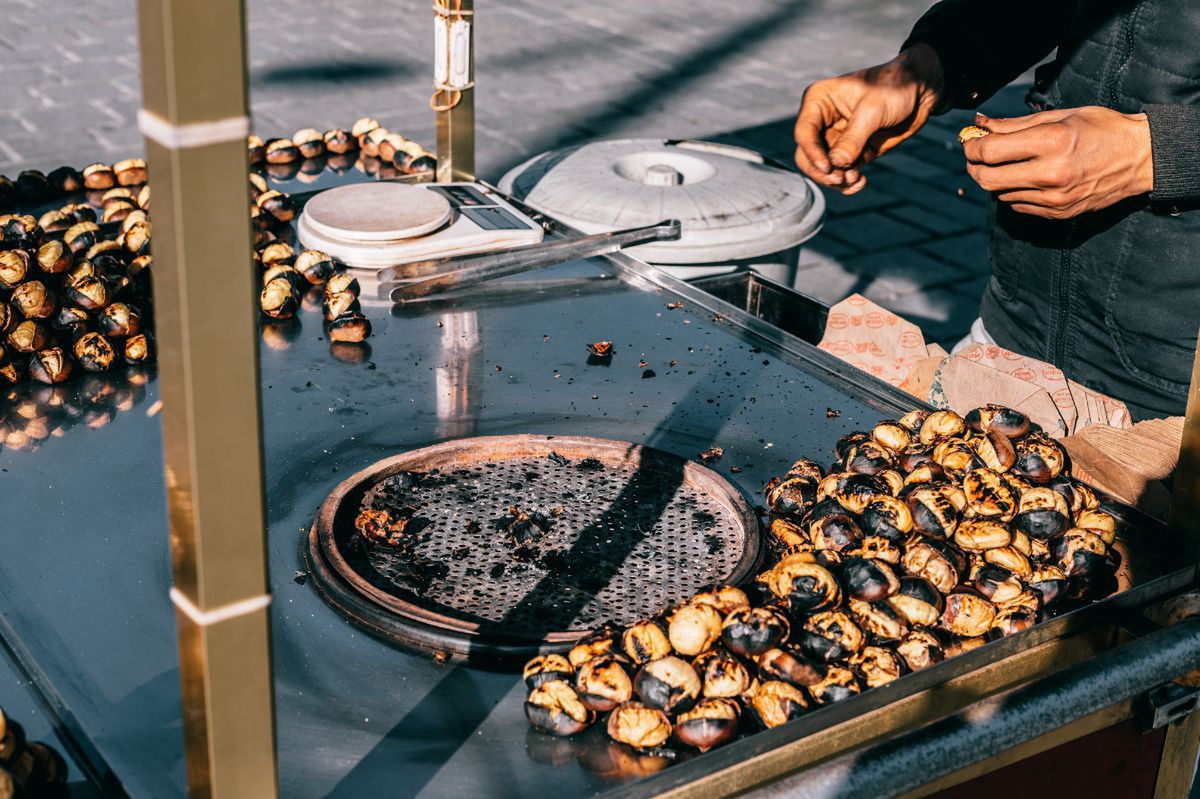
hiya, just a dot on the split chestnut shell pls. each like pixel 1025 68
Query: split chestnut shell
pixel 710 723
pixel 777 702
pixel 669 684
pixel 721 674
pixel 693 628
pixel 603 682
pixel 752 631
pixel 555 707
pixel 544 668
pixel 639 726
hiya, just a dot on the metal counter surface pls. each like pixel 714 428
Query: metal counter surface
pixel 85 575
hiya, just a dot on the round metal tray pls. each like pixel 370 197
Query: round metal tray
pixel 638 530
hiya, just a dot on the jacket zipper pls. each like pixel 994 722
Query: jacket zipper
pixel 1063 316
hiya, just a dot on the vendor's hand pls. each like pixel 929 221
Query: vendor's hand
pixel 848 121
pixel 1058 164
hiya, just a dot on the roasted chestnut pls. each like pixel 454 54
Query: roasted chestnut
pixel 29 336
pixel 996 451
pixel 888 517
pixel 721 674
pixel 892 436
pixel 556 708
pixel 868 579
pixel 710 723
pixel 34 300
pixel 310 142
pixel 1012 620
pixel 1049 582
pixel 941 425
pixel 20 231
pixel 792 494
pixel 989 496
pixel 921 648
pixel 139 348
pixel 877 547
pixel 1039 458
pixel 130 172
pixel 371 141
pixel 938 562
pixel 645 641
pixel 255 150
pixel 880 619
pixel 853 491
pixel 810 586
pixel 351 326
pixel 868 458
pixel 50 366
pixel 600 642
pixel 338 141
pixel 136 240
pixel 1010 558
pixel 94 352
pixel 998 418
pixel 777 702
pixel 99 176
pixel 277 204
pixel 545 668
pixel 639 726
pixel 55 220
pixel 54 258
pixel 1099 522
pixel 725 598
pixel 837 532
pixel 831 635
pixel 918 601
pixel 693 628
pixel 279 300
pixel 752 631
pixel 839 683
pixel 967 613
pixel 14 267
pixel 280 151
pixel 978 535
pixel 669 684
pixel 316 266
pixel 380 527
pixel 1042 513
pixel 957 458
pixel 120 320
pixel 363 126
pixel 334 305
pixel 391 145
pixel 790 665
pixel 342 283
pixel 603 682
pixel 878 665
pixel 786 535
pixel 65 180
pixel 997 583
pixel 1079 551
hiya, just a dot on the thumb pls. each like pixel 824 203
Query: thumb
pixel 862 125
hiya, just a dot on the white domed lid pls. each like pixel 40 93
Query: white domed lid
pixel 732 206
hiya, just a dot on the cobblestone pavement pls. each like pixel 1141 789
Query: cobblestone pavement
pixel 549 74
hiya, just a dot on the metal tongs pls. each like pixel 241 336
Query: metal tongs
pixel 460 271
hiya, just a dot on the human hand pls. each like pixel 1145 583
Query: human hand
pixel 851 120
pixel 1059 164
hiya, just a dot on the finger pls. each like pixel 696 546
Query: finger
pixel 864 122
pixel 1040 211
pixel 1006 148
pixel 854 187
pixel 1013 124
pixel 810 126
pixel 1007 177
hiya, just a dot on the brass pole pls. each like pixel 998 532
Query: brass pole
pixel 194 120
pixel 1185 494
pixel 456 109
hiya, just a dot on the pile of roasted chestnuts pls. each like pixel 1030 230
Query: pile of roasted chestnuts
pixel 29 769
pixel 367 146
pixel 928 537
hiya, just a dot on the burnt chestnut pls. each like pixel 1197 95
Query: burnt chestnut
pixel 278 205
pixel 555 708
pixel 369 143
pixel 602 641
pixel 34 300
pixel 725 598
pixel 892 436
pixel 721 674
pixel 316 266
pixel 839 683
pixel 915 456
pixel 71 320
pixel 837 532
pixel 120 320
pixel 810 586
pixel 29 336
pixel 855 490
pixel 99 176
pixel 545 668
pixel 710 723
pixel 790 665
pixel 277 253
pixel 918 601
pixel 932 512
pixel 1010 558
pixel 603 682
pixel 1049 582
pixel 876 547
pixel 288 273
pixel 1099 522
pixel 380 527
pixel 925 473
pixel 785 535
pixel 1012 620
pixel 831 635
pixel 888 517
pixel 1079 551
pixel 50 366
pixel 921 648
pixel 941 425
pixel 881 619
pixel 1039 458
pixel 1078 495
pixel 998 418
pixel 752 631
pixel 942 564
pixel 310 142
pixel 54 258
pixel 998 583
pixel 693 628
pixel 342 283
pixel 892 480
pixel 65 180
pixel 55 220
pixel 256 151
pixel 996 451
pixel 846 444
pixel 878 665
pixel 136 240
pixel 867 458
pixel 967 613
pixel 281 151
pixel 1042 513
pixel 20 231
pixel 279 299
pixel 94 352
pixel 139 348
pixel 80 237
pixel 639 726
pixel 979 535
pixel 334 305
pixel 645 641
pixel 14 267
pixel 806 468
pixel 425 162
pixel 669 684
pixel 790 494
pixel 338 141
pixel 869 580
pixel 957 458
pixel 989 496
pixel 350 326
pixel 777 702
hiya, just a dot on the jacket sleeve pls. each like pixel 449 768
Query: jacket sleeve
pixel 983 46
pixel 1174 152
